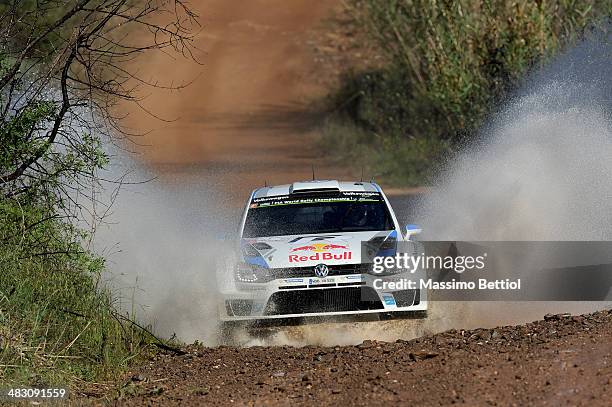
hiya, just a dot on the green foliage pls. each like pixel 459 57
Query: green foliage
pixel 63 66
pixel 18 134
pixel 461 55
pixel 448 62
pixel 57 323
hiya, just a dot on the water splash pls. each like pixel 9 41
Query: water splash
pixel 541 169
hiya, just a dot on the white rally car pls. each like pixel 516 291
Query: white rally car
pixel 306 249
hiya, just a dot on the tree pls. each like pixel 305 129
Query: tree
pixel 63 67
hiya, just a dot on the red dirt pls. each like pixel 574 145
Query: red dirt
pixel 562 360
pixel 248 116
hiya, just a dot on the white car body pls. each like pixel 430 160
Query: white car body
pixel 274 276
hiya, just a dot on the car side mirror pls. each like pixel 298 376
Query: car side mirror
pixel 412 230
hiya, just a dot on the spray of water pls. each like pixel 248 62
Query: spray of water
pixel 541 171
pixel 161 241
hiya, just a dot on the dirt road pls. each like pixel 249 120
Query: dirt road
pixel 559 360
pixel 247 117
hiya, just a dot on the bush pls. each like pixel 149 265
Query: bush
pixel 449 62
pixel 57 323
pixel 63 67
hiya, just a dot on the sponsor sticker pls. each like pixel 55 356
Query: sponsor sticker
pixel 389 300
pixel 282 200
pixel 296 258
pixel 315 250
pixel 315 281
pixel 320 247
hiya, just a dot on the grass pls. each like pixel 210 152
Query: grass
pixel 58 324
pixel 57 327
pixel 447 64
pixel 396 161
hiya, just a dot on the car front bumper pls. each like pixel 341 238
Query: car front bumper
pixel 313 296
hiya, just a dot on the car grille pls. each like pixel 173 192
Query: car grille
pixel 334 270
pixel 324 300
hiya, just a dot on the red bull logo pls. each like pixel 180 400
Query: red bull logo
pixel 321 252
pixel 319 247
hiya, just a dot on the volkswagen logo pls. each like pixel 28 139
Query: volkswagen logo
pixel 321 270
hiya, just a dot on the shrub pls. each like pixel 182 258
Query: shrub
pixel 449 62
pixel 57 322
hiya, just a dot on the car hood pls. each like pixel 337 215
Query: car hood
pixel 308 250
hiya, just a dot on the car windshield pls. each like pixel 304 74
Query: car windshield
pixel 329 213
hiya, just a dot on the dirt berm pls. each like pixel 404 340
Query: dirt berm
pixel 561 360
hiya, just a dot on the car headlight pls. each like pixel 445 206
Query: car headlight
pixel 250 251
pixel 250 273
pixel 382 246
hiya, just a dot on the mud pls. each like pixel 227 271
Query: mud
pixel 561 359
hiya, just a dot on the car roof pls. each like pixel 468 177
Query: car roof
pixel 316 186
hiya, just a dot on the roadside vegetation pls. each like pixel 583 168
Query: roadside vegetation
pixel 447 63
pixel 63 66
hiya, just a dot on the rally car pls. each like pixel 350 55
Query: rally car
pixel 306 249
